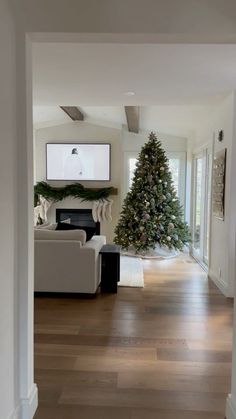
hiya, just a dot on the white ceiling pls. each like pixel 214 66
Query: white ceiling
pixel 175 85
pixel 99 74
pixel 175 120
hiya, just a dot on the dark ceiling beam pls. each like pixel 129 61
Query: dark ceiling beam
pixel 73 112
pixel 132 116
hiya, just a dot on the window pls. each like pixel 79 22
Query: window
pixel 132 165
pixel 177 162
pixel 174 165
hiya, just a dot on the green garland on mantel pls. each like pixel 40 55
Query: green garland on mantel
pixel 76 190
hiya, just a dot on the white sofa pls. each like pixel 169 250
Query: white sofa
pixel 64 262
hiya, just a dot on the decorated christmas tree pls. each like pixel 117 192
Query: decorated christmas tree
pixel 151 213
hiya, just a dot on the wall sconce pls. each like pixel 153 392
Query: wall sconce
pixel 221 136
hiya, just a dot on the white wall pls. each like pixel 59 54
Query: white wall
pixel 222 249
pixel 121 142
pixel 25 250
pixel 84 132
pixel 9 397
pixel 134 142
pixel 150 20
pixel 221 245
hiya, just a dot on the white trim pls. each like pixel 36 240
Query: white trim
pixel 15 414
pixel 205 154
pixel 219 283
pixel 199 149
pixel 28 406
pixel 211 150
pixel 198 253
pixel 230 408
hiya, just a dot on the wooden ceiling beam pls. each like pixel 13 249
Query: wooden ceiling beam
pixel 132 116
pixel 73 112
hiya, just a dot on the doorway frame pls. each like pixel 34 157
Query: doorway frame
pixel 25 265
pixel 204 151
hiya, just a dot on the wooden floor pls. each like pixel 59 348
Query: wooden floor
pixel 161 352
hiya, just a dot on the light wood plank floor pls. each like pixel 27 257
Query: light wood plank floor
pixel 161 352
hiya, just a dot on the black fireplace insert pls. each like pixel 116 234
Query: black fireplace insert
pixel 81 217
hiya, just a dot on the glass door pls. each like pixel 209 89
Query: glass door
pixel 198 206
pixel 207 207
pixel 201 206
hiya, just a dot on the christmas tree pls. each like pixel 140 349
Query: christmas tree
pixel 151 212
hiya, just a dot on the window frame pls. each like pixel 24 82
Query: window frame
pixel 181 155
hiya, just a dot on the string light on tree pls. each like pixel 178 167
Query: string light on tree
pixel 151 212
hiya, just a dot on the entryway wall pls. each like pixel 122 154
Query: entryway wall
pixel 9 363
pixel 89 17
pixel 18 393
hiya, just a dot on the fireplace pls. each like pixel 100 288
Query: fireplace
pixel 81 217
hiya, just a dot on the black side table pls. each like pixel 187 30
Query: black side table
pixel 110 275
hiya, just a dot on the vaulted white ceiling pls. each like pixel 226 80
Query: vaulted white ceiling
pixel 100 74
pixel 176 120
pixel 175 85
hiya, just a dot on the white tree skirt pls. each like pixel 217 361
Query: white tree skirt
pixel 131 272
pixel 157 253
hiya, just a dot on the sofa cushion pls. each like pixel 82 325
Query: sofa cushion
pixel 40 226
pixel 78 235
pixel 90 231
pixel 48 226
pixel 52 226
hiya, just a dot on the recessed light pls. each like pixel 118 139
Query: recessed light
pixel 129 93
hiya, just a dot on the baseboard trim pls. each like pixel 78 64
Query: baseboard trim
pixel 26 407
pixel 54 294
pixel 29 406
pixel 15 414
pixel 219 283
pixel 230 408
